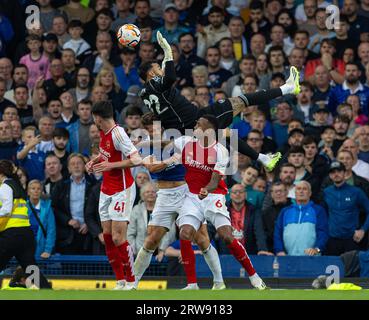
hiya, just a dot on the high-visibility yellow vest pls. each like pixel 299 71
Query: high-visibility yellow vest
pixel 19 215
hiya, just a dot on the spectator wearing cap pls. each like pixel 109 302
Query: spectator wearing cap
pixel 284 114
pixel 343 203
pixel 61 142
pixel 47 13
pixel 209 35
pixel 50 46
pixel 351 85
pixel 79 130
pixel 79 45
pixel 302 228
pixel 171 29
pixel 36 63
pixel 277 60
pixel 75 10
pixel 316 127
pixel 347 159
pixel 258 23
pixel 295 137
pixel 127 72
pixel 336 67
pixel 322 85
pixel 123 14
pixel 82 90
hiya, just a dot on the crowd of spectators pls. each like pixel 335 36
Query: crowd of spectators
pixel 316 202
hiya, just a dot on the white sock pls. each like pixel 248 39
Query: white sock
pixel 212 259
pixel 254 277
pixel 263 158
pixel 142 262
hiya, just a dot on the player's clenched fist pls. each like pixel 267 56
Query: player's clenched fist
pixel 203 193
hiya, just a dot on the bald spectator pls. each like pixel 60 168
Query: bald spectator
pixel 360 167
pixel 301 228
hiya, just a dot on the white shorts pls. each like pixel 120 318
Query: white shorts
pixel 167 206
pixel 195 211
pixel 117 207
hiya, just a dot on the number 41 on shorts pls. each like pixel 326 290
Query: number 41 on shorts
pixel 119 206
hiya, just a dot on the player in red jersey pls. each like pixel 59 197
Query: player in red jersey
pixel 206 161
pixel 117 156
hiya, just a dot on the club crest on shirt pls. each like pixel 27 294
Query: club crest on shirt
pixel 107 144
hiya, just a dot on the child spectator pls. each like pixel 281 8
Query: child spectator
pixel 36 62
pixel 29 157
pixel 80 46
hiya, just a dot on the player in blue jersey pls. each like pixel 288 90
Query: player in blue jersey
pixel 172 190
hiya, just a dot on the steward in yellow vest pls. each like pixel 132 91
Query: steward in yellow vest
pixel 16 236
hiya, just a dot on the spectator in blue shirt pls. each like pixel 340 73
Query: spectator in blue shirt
pixel 255 120
pixel 8 146
pixel 45 236
pixel 301 228
pixel 29 156
pixel 171 30
pixel 344 203
pixel 127 73
pixel 284 114
pixel 350 86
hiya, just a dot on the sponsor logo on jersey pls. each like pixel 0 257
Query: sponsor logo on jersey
pixel 104 153
pixel 198 165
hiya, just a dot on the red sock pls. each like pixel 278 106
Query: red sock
pixel 188 261
pixel 127 258
pixel 113 256
pixel 239 252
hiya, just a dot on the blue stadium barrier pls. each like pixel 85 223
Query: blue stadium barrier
pixel 289 267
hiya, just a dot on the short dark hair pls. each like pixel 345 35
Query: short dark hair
pixel 85 101
pixel 306 33
pixel 286 165
pixel 20 65
pixel 145 23
pixel 216 9
pixel 212 120
pixel 341 118
pixel 296 149
pixel 61 132
pixel 327 128
pixel 145 68
pixel 255 131
pixel 186 34
pixel 256 5
pixel 20 86
pixel 248 56
pixel 309 140
pixel 319 10
pixel 134 111
pixel 74 24
pixel 308 85
pixel 103 109
pixel 105 12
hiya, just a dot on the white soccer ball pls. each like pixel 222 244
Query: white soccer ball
pixel 129 35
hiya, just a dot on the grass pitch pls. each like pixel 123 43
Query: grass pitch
pixel 184 295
